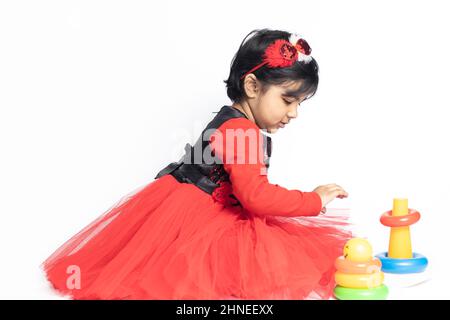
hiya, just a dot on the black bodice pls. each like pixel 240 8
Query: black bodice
pixel 207 174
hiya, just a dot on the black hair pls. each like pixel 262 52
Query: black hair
pixel 250 54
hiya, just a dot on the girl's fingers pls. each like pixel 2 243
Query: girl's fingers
pixel 341 193
pixel 336 191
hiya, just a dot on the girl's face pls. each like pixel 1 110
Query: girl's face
pixel 276 107
pixel 273 109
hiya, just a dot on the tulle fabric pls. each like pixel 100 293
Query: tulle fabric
pixel 171 240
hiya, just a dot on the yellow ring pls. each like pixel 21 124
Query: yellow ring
pixel 359 281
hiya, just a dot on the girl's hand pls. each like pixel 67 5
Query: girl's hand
pixel 329 192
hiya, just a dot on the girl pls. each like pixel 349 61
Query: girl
pixel 211 226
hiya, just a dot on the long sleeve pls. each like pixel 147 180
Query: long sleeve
pixel 238 143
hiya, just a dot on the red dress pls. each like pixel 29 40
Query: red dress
pixel 172 240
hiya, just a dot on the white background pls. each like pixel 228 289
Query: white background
pixel 97 96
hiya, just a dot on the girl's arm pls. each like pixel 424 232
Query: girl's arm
pixel 238 143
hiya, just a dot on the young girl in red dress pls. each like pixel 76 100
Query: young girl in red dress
pixel 211 226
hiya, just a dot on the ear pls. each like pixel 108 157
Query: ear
pixel 251 86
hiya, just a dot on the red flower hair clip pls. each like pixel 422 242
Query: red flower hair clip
pixel 283 53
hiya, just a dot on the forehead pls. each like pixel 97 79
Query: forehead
pixel 292 89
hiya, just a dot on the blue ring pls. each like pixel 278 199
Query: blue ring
pixel 416 264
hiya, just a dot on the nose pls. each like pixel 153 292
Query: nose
pixel 292 113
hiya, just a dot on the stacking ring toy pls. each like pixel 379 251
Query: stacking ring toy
pixel 400 257
pixel 348 266
pixel 416 264
pixel 376 293
pixel 389 220
pixel 359 281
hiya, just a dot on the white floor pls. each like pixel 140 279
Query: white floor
pixel 410 286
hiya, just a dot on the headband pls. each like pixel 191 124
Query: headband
pixel 283 53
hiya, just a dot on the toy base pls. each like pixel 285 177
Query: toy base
pixel 416 264
pixel 376 293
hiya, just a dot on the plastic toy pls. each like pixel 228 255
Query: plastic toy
pixel 359 275
pixel 348 266
pixel 400 258
pixel 377 293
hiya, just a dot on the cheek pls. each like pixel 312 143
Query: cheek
pixel 278 114
pixel 274 112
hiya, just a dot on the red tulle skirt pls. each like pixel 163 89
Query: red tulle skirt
pixel 171 240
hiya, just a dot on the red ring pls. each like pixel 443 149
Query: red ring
pixel 389 220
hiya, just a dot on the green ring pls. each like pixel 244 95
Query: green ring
pixel 376 293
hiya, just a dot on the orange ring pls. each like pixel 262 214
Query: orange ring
pixel 347 266
pixel 389 220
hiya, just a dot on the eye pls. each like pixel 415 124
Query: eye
pixel 287 102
